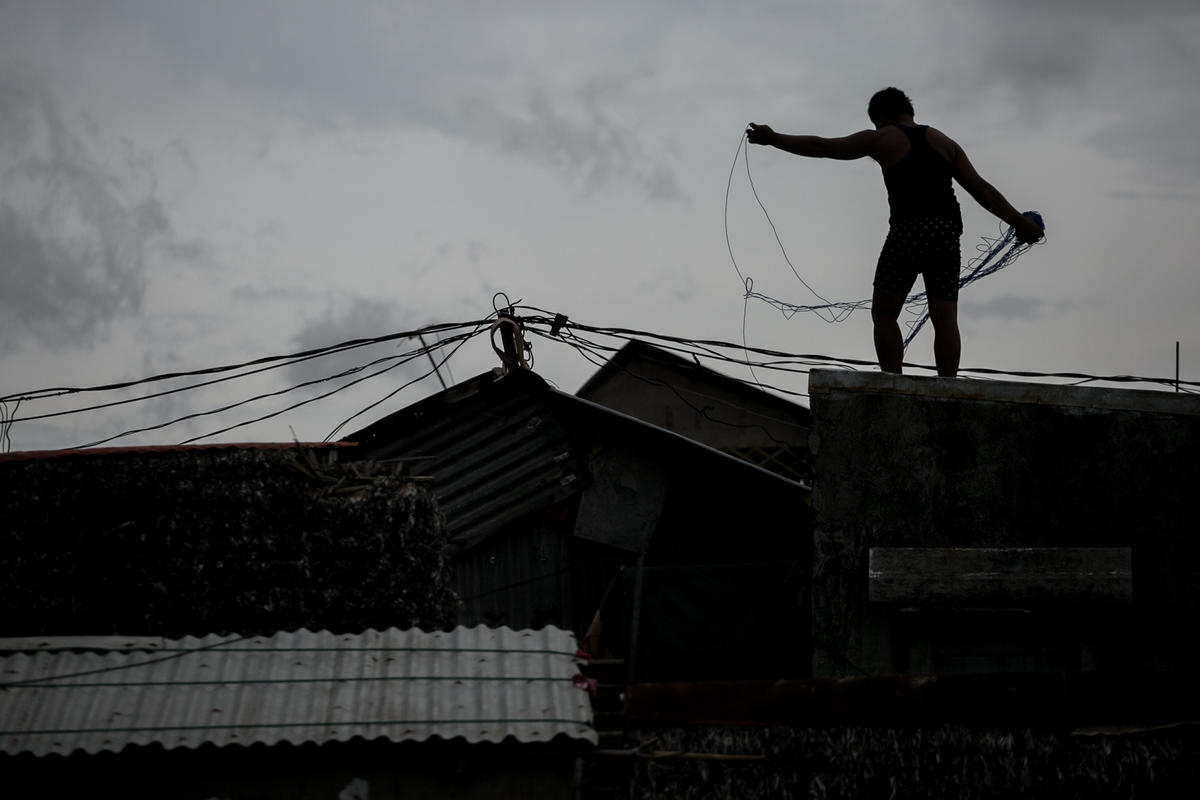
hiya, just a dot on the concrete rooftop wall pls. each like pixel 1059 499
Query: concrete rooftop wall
pixel 909 462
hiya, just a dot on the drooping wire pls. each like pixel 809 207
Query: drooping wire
pixel 461 341
pixel 399 361
pixel 747 281
pixel 556 327
pixel 570 333
pixel 233 372
pixel 979 267
pixel 1006 247
pixel 599 354
pixel 836 311
pixel 916 305
pixel 411 356
pixel 270 362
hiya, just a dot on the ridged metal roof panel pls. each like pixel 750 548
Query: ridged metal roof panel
pixel 496 451
pixel 62 694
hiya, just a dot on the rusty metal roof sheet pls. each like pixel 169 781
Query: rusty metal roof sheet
pixel 62 694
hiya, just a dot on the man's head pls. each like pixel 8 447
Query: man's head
pixel 888 105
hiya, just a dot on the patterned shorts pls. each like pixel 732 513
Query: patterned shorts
pixel 921 245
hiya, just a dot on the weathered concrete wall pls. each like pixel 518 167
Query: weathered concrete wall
pixel 951 463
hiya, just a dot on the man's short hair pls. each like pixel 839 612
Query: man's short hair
pixel 887 104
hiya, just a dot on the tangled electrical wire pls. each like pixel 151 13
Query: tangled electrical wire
pixel 994 254
pixel 450 337
pixel 595 344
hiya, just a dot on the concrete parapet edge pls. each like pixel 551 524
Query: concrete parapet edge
pixel 823 381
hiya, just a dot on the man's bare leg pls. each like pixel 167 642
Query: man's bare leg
pixel 947 344
pixel 889 345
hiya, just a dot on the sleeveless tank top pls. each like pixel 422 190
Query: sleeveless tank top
pixel 919 185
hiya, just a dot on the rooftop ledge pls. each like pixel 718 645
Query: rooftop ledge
pixel 824 381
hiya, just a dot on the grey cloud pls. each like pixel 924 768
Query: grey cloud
pixel 81 222
pixel 351 68
pixel 1128 69
pixel 74 232
pixel 1158 134
pixel 259 294
pixel 193 251
pixel 543 81
pixel 581 140
pixel 1036 46
pixel 1038 50
pixel 1189 198
pixel 180 147
pixel 1009 307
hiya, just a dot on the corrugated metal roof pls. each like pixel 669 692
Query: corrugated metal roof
pixel 495 451
pixel 502 448
pixel 62 694
pixel 594 417
pixel 635 350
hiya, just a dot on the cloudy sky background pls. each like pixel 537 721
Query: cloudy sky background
pixel 184 185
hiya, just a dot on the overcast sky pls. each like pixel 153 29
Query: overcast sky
pixel 190 184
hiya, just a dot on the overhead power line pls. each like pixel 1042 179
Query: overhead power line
pixel 594 343
pixel 276 362
pixel 231 372
pixel 731 352
pixel 398 359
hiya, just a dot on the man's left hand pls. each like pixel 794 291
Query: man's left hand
pixel 1029 232
pixel 759 134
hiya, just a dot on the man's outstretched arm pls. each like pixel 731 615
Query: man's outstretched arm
pixel 856 145
pixel 990 198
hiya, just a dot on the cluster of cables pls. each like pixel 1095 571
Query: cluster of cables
pixel 434 344
pixel 595 344
pixel 995 253
pixel 449 337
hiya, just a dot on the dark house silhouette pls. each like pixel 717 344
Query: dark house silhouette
pixel 690 561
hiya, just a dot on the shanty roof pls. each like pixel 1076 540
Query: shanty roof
pixel 635 351
pixel 62 694
pixel 499 448
pixel 495 450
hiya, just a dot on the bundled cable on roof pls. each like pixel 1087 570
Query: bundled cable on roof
pixel 995 255
pixel 1002 252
